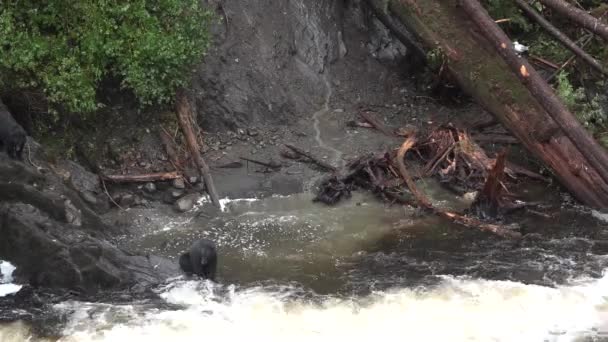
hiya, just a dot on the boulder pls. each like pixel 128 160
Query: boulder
pixel 187 202
pixel 55 240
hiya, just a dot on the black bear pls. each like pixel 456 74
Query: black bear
pixel 201 259
pixel 12 135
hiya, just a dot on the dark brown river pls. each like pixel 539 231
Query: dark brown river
pixel 298 271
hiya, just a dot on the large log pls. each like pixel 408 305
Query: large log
pixel 184 115
pixel 579 16
pixel 560 36
pixel 443 26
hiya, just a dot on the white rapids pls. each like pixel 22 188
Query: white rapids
pixel 458 309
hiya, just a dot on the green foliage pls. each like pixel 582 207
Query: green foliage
pixel 66 48
pixel 503 9
pixel 588 111
pixel 546 46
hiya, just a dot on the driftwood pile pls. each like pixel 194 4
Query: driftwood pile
pixel 446 152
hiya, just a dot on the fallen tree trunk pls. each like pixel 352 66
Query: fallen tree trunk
pixel 579 16
pixel 570 126
pixel 143 178
pixel 443 26
pixel 561 37
pixel 184 113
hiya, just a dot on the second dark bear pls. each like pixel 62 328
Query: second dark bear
pixel 201 259
pixel 12 135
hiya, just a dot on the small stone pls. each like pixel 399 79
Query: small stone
pixel 127 200
pixel 275 137
pixel 192 179
pixel 177 193
pixel 179 183
pixel 252 132
pixel 150 187
pixel 89 197
pixel 228 148
pixel 240 131
pixel 339 110
pixel 186 203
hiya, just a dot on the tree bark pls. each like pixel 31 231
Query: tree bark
pixel 143 178
pixel 562 38
pixel 184 113
pixel 535 116
pixel 579 16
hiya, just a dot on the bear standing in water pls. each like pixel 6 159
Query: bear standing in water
pixel 201 259
pixel 12 135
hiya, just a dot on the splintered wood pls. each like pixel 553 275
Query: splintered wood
pixel 447 153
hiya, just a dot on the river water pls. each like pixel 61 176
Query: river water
pixel 291 270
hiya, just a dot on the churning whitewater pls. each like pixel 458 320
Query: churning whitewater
pixel 453 310
pixel 293 271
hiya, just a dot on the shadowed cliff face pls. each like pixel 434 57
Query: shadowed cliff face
pixel 270 59
pixel 56 240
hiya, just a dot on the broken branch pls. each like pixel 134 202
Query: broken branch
pixel 426 203
pixel 270 165
pixel 143 178
pixel 184 112
pixel 579 16
pixel 561 37
pixel 315 160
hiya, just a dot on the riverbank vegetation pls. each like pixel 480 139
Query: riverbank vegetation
pixel 57 58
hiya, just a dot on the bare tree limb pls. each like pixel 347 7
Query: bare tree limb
pixel 426 203
pixel 184 112
pixel 579 16
pixel 561 37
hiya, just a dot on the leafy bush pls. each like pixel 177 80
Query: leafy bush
pixel 588 111
pixel 66 48
pixel 507 9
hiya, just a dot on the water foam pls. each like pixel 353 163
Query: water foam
pixel 6 287
pixel 456 310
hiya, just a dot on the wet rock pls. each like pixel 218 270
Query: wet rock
pixel 177 193
pixel 66 239
pixel 89 197
pixel 72 214
pixel 141 201
pixel 186 203
pixel 200 187
pixel 126 200
pixel 150 187
pixel 179 183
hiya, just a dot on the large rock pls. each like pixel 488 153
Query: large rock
pixel 187 202
pixel 267 61
pixel 57 241
pixel 271 61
